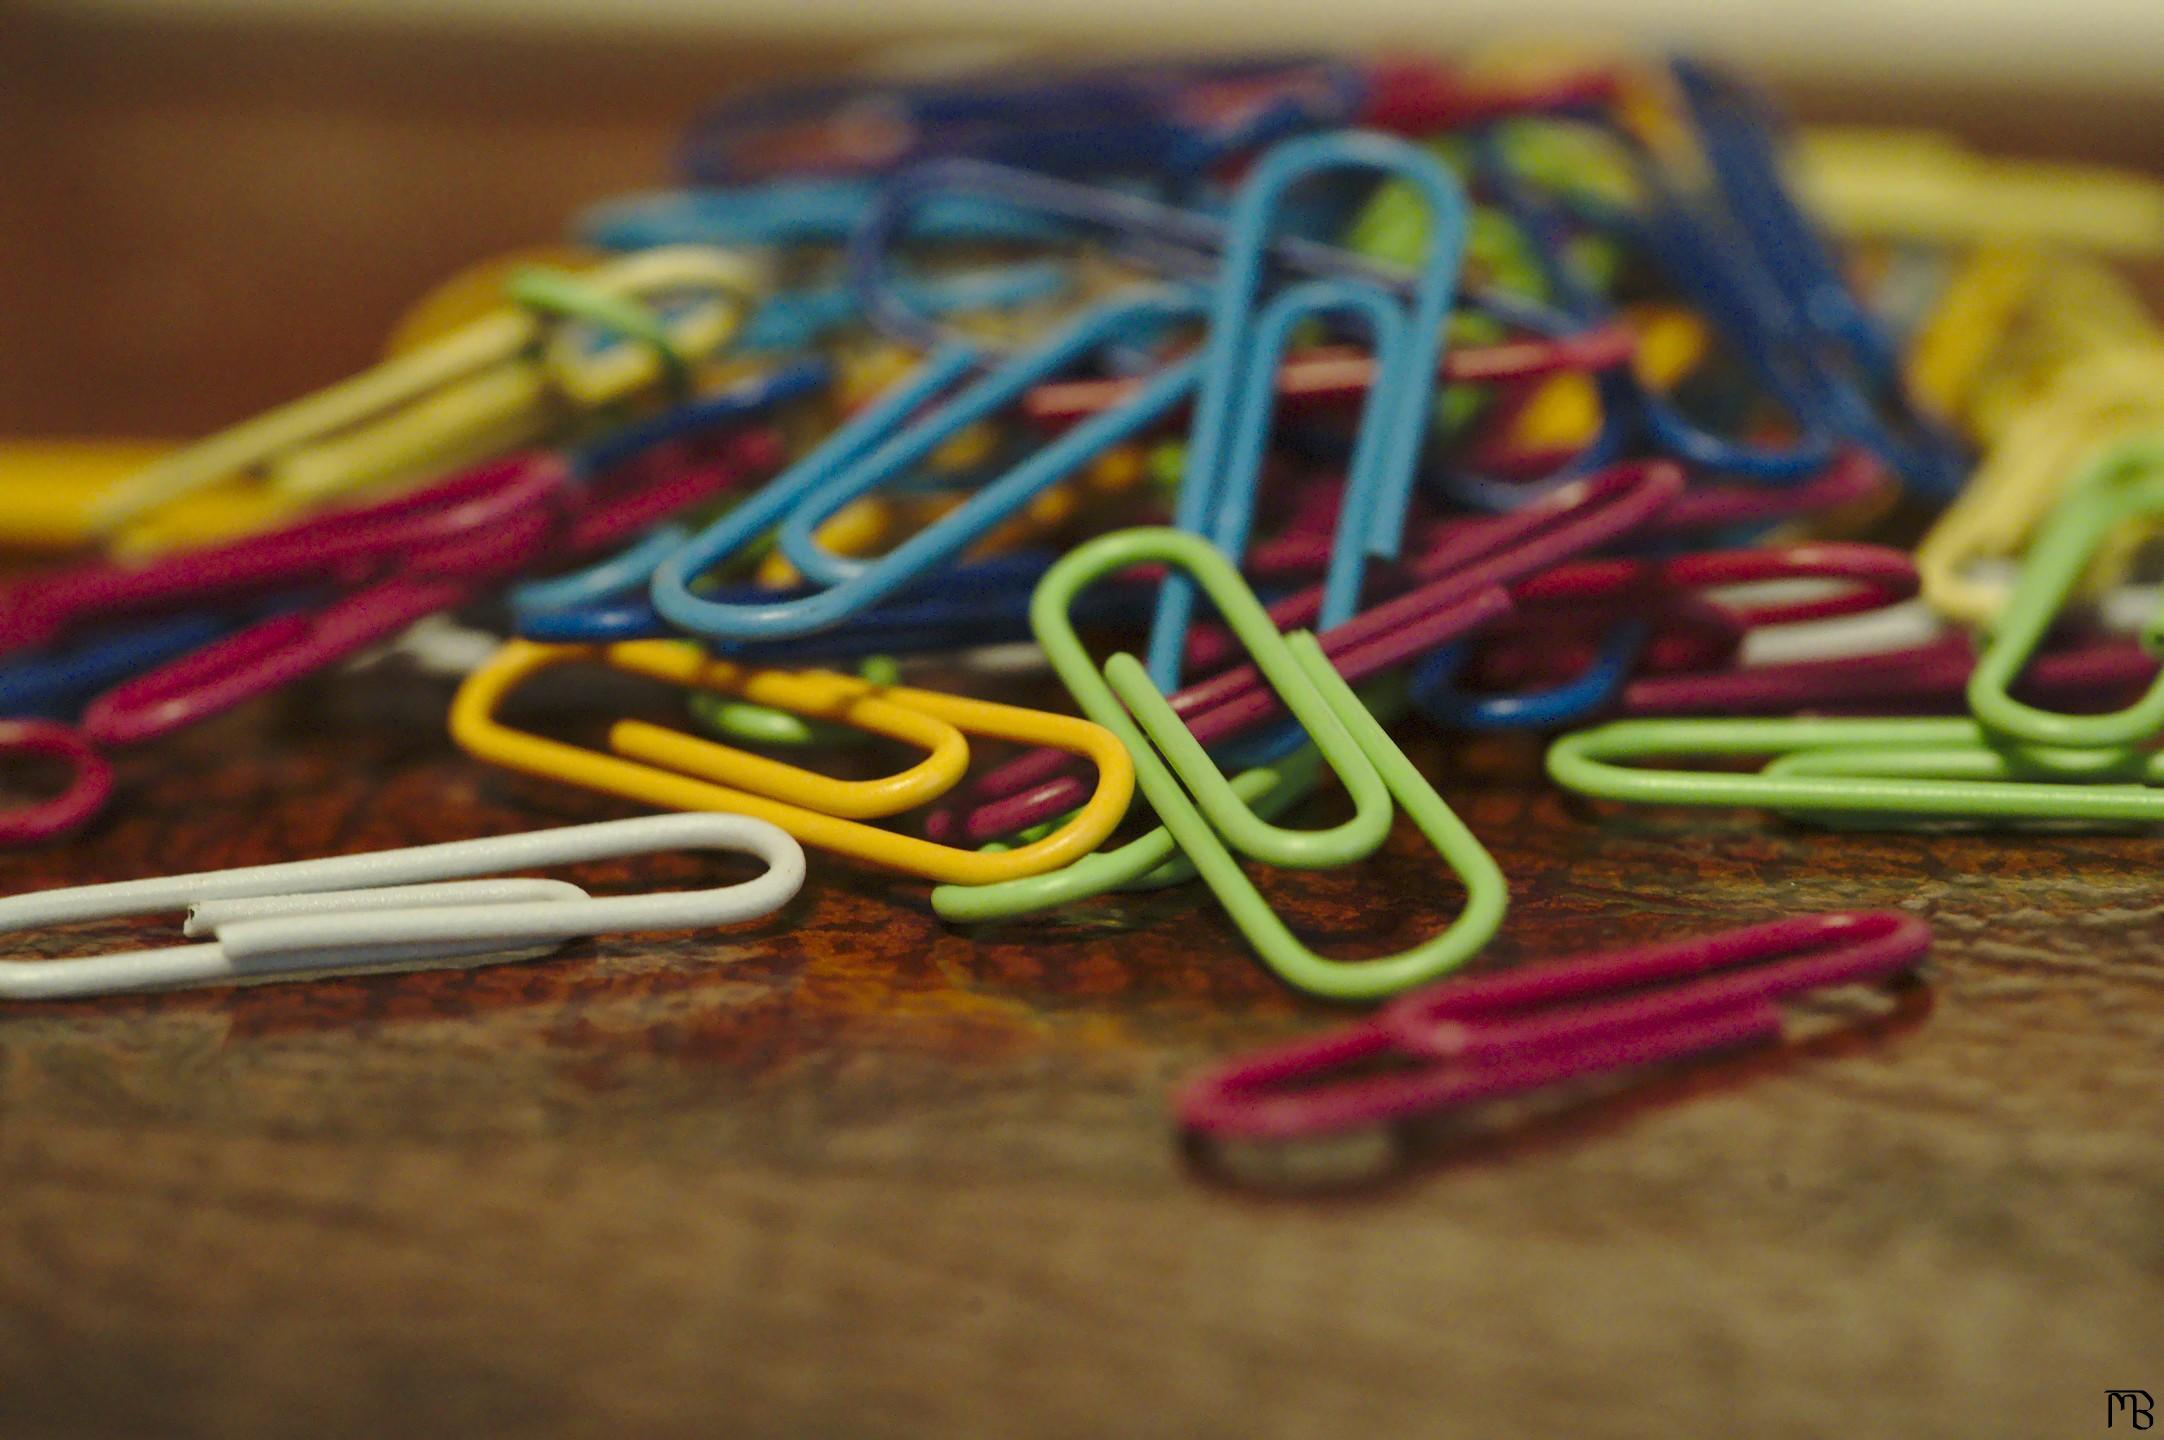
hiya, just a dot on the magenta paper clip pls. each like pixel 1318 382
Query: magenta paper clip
pixel 1852 477
pixel 1461 591
pixel 1563 612
pixel 1462 1042
pixel 1917 678
pixel 390 565
pixel 90 782
pixel 1607 506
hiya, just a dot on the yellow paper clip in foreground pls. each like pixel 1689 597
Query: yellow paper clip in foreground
pixel 505 380
pixel 818 811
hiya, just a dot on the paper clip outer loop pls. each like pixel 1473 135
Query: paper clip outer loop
pixel 475 728
pixel 1349 737
pixel 386 907
pixel 1597 763
pixel 1468 1044
pixel 2125 482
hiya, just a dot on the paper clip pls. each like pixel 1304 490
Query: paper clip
pixel 1467 1041
pixel 1868 577
pixel 1924 186
pixel 388 565
pixel 2119 491
pixel 777 792
pixel 1461 577
pixel 860 457
pixel 496 384
pixel 51 487
pixel 1239 370
pixel 395 907
pixel 1180 118
pixel 1834 771
pixel 2034 463
pixel 1932 675
pixel 1353 744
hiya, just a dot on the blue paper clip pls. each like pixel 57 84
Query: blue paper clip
pixel 848 467
pixel 792 214
pixel 1239 368
pixel 1736 132
pixel 55 683
pixel 629 570
pixel 1434 690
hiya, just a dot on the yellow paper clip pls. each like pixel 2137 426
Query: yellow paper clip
pixel 505 380
pixel 2103 399
pixel 818 811
pixel 1919 185
pixel 50 489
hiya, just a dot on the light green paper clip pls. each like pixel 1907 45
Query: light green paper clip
pixel 2121 484
pixel 1826 768
pixel 1351 741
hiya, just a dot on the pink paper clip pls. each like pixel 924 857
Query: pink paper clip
pixel 1461 1042
pixel 1563 610
pixel 1461 590
pixel 89 785
pixel 392 564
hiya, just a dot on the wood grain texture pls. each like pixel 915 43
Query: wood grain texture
pixel 852 1172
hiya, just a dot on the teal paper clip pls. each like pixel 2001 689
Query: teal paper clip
pixel 1349 738
pixel 1833 769
pixel 2122 486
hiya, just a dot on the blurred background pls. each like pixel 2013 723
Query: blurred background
pixel 211 205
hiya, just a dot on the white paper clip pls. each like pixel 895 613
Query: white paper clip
pixel 389 907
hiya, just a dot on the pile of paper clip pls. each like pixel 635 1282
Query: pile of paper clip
pixel 1523 393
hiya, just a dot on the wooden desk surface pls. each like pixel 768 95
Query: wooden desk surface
pixel 853 1172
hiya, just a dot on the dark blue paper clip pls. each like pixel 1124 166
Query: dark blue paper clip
pixel 1865 394
pixel 1154 119
pixel 56 682
pixel 1434 689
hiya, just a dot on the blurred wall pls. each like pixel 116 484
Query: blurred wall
pixel 206 207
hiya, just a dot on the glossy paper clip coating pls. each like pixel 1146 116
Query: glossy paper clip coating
pixel 1239 371
pixel 474 727
pixel 1352 742
pixel 1546 1023
pixel 487 388
pixel 1833 770
pixel 390 907
pixel 2122 490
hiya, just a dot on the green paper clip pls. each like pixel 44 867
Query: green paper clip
pixel 1832 769
pixel 1350 740
pixel 2124 482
